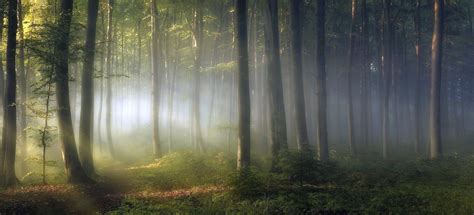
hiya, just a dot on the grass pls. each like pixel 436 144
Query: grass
pixel 193 183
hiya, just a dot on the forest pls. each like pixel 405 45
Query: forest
pixel 236 107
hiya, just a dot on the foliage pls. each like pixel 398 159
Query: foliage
pixel 303 167
pixel 182 170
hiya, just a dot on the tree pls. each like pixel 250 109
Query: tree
pixel 418 76
pixel 108 68
pixel 321 132
pixel 298 92
pixel 435 91
pixel 74 171
pixel 9 108
pixel 198 39
pixel 386 70
pixel 156 79
pixel 365 109
pixel 22 82
pixel 87 104
pixel 350 109
pixel 274 80
pixel 243 151
pixel 2 75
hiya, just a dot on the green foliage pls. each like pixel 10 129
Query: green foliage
pixel 303 167
pixel 247 184
pixel 182 170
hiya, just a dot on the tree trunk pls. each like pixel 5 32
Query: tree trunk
pixel 419 65
pixel 435 91
pixel 2 75
pixel 365 77
pixel 298 92
pixel 274 81
pixel 22 85
pixel 156 80
pixel 243 151
pixel 350 109
pixel 102 74
pixel 87 105
pixel 9 116
pixel 108 111
pixel 198 36
pixel 322 131
pixel 387 70
pixel 74 171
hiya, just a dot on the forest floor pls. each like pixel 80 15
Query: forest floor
pixel 193 183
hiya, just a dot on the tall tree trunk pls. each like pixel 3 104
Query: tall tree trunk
pixel 156 80
pixel 74 171
pixel 350 109
pixel 322 131
pixel 298 91
pixel 139 68
pixel 387 70
pixel 102 59
pixel 22 85
pixel 274 81
pixel 2 75
pixel 9 116
pixel 198 36
pixel 419 65
pixel 435 91
pixel 87 104
pixel 108 111
pixel 243 151
pixel 365 77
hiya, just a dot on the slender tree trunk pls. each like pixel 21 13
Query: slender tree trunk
pixel 108 111
pixel 2 87
pixel 387 70
pixel 9 117
pixel 274 81
pixel 198 36
pixel 243 151
pixel 156 80
pixel 2 72
pixel 86 127
pixel 350 109
pixel 322 131
pixel 419 65
pixel 300 110
pixel 139 68
pixel 102 62
pixel 74 171
pixel 22 85
pixel 365 77
pixel 435 91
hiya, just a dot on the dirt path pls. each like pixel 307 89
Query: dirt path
pixel 75 199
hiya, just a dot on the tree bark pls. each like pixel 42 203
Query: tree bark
pixel 198 36
pixel 22 85
pixel 274 81
pixel 436 151
pixel 9 117
pixel 2 72
pixel 74 171
pixel 387 70
pixel 365 77
pixel 350 109
pixel 298 92
pixel 321 131
pixel 418 80
pixel 87 104
pixel 243 151
pixel 108 111
pixel 156 80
